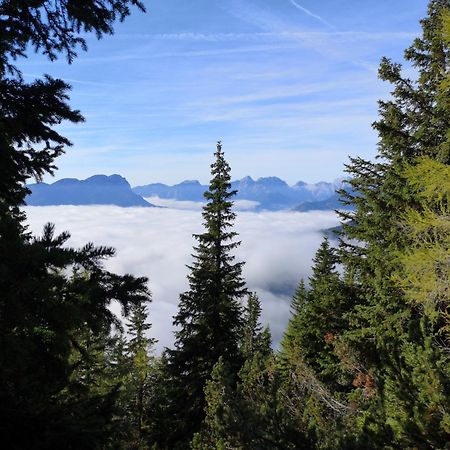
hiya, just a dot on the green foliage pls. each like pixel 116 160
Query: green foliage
pixel 249 413
pixel 445 85
pixel 424 264
pixel 318 319
pixel 29 111
pixel 220 421
pixel 423 274
pixel 42 311
pixel 92 392
pixel 135 390
pixel 54 327
pixel 290 345
pixel 316 367
pixel 55 27
pixel 388 248
pixel 268 423
pixel 365 355
pixel 209 319
pixel 364 362
pixel 159 412
pixel 255 339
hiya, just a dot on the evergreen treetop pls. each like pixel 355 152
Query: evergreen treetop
pixel 209 319
pixel 289 343
pixel 255 339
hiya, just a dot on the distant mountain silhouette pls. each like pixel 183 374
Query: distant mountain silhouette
pixel 96 190
pixel 271 193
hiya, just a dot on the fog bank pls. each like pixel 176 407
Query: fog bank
pixel 157 242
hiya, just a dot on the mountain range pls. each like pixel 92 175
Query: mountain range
pixel 95 190
pixel 271 193
pixel 268 193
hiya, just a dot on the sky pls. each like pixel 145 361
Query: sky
pixel 157 243
pixel 289 86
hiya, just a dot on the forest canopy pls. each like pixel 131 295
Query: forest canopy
pixel 364 362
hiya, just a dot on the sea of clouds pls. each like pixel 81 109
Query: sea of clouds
pixel 157 242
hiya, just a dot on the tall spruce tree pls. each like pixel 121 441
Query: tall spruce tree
pixel 393 340
pixel 209 319
pixel 317 317
pixel 139 363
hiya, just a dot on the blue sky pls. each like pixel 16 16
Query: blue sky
pixel 289 86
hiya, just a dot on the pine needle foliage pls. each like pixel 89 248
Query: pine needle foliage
pixel 393 341
pixel 209 319
pixel 45 312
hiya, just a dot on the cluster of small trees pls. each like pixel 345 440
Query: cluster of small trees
pixel 365 359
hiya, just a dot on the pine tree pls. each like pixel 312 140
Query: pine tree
pixel 317 318
pixel 255 339
pixel 290 344
pixel 160 410
pixel 139 363
pixel 209 319
pixel 42 309
pixel 315 381
pixel 223 413
pixel 93 390
pixel 249 414
pixel 393 341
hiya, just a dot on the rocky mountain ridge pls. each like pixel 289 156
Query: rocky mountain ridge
pixel 268 193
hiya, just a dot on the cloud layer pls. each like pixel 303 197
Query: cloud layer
pixel 277 247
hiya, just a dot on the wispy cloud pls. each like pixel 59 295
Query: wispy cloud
pixel 266 76
pixel 293 90
pixel 348 35
pixel 310 13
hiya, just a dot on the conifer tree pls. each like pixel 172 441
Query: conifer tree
pixel 317 317
pixel 394 341
pixel 30 111
pixel 251 413
pixel 255 339
pixel 209 319
pixel 424 272
pixel 139 363
pixel 160 411
pixel 93 391
pixel 256 418
pixel 290 344
pixel 42 310
pixel 315 382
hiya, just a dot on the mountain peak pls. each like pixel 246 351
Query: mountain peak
pixel 95 190
pixel 114 179
pixel 271 181
pixel 246 181
pixel 190 183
